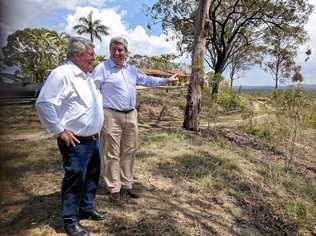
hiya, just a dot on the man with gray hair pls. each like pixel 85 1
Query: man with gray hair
pixel 70 107
pixel 117 82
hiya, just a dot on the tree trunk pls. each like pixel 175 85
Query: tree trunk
pixel 276 82
pixel 192 111
pixel 231 75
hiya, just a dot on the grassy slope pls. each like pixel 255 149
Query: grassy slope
pixel 223 183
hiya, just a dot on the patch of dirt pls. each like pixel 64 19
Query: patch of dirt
pixel 237 137
pixel 34 136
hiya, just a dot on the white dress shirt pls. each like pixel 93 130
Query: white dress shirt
pixel 69 100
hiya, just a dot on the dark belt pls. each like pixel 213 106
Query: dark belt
pixel 124 111
pixel 87 138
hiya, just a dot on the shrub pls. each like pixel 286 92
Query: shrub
pixel 297 211
pixel 231 100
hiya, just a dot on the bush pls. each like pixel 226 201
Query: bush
pixel 309 116
pixel 231 100
pixel 297 211
pixel 261 132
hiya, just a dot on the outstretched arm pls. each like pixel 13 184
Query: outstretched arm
pixel 151 81
pixel 173 79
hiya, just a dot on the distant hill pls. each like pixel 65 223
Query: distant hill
pixel 307 87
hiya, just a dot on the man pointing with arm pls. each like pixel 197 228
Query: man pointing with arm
pixel 117 82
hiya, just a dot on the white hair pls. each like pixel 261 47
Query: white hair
pixel 121 40
pixel 77 45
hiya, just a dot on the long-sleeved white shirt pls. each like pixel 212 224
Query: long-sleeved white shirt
pixel 69 100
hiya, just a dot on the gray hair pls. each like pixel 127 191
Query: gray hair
pixel 77 45
pixel 121 40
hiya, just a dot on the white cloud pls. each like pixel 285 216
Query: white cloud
pixel 139 41
pixel 17 14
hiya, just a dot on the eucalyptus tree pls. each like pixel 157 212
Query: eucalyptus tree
pixel 243 60
pixel 233 25
pixel 92 27
pixel 282 46
pixel 34 51
pixel 193 106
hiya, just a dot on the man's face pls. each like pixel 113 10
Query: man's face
pixel 84 61
pixel 118 53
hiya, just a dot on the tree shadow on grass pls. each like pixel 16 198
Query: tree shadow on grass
pixel 35 212
pixel 226 175
pixel 23 175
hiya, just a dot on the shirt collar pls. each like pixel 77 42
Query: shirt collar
pixel 113 65
pixel 75 69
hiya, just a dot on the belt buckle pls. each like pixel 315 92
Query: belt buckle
pixel 94 137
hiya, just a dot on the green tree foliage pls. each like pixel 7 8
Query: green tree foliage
pixel 161 62
pixel 233 25
pixel 308 53
pixel 34 51
pixel 92 27
pixel 290 107
pixel 242 61
pixel 98 59
pixel 282 46
pixel 297 76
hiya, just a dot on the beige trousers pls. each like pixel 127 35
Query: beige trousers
pixel 119 143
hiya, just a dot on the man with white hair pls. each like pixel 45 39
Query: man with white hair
pixel 70 107
pixel 117 82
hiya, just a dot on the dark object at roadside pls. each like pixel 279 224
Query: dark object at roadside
pixel 14 89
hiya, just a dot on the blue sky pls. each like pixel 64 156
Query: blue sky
pixel 126 18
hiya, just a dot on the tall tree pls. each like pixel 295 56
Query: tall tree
pixel 242 61
pixel 282 46
pixel 192 110
pixel 92 27
pixel 233 24
pixel 34 51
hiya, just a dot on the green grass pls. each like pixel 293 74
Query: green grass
pixel 297 211
pixel 193 184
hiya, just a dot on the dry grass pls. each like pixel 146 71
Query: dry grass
pixel 192 184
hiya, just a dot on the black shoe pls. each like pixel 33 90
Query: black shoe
pixel 114 197
pixel 91 215
pixel 75 229
pixel 131 193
